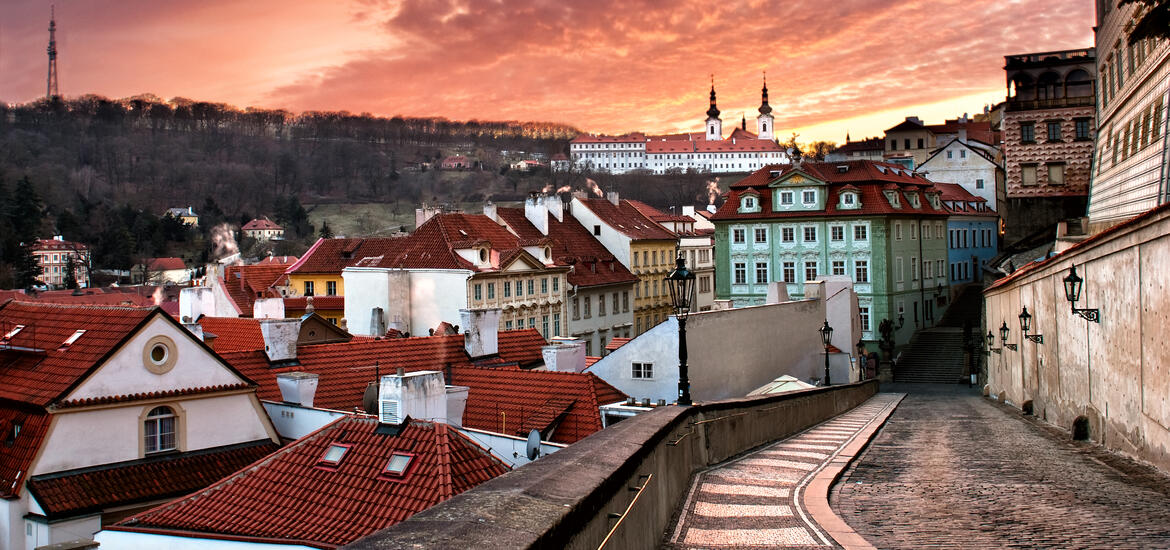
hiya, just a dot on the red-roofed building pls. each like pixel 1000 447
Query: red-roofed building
pixel 158 271
pixel 454 262
pixel 98 398
pixel 353 477
pixel 54 256
pixel 244 284
pixel 877 223
pixel 455 162
pixel 263 229
pixel 865 149
pixel 646 248
pixel 601 287
pixel 911 142
pixel 705 151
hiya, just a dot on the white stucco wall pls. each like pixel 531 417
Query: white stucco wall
pixel 963 171
pixel 613 240
pixel 589 329
pixel 113 434
pixel 434 295
pixel 295 421
pixel 1115 373
pixel 125 372
pixel 142 541
pixel 730 352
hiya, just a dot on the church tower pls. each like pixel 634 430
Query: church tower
pixel 765 125
pixel 714 124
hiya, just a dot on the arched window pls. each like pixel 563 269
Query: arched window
pixel 1049 86
pixel 1078 83
pixel 159 430
pixel 1024 88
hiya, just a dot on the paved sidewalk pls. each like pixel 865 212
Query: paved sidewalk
pixel 950 469
pixel 755 501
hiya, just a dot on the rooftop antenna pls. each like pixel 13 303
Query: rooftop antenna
pixel 51 84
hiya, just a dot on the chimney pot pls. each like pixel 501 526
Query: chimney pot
pixel 401 371
pixel 298 388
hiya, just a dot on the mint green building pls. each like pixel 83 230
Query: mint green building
pixel 878 223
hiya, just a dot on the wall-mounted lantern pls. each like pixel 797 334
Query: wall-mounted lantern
pixel 1026 325
pixel 1003 337
pixel 1072 291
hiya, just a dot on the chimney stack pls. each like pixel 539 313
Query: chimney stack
pixel 480 331
pixel 536 212
pixel 555 206
pixel 421 395
pixel 269 308
pixel 280 338
pixel 489 210
pixel 564 356
pixel 297 388
pixel 962 135
pixel 195 302
pixel 613 197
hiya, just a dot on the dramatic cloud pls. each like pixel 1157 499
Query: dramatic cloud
pixel 603 65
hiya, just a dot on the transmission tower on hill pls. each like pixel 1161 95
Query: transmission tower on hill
pixel 51 85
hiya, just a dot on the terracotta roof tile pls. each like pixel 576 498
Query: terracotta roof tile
pixel 34 366
pixel 17 457
pixel 300 303
pixel 54 244
pixel 74 492
pixel 88 297
pixel 521 346
pixel 246 283
pixel 330 506
pixel 261 223
pixel 616 343
pixel 626 219
pixel 165 264
pixel 573 245
pixel 233 333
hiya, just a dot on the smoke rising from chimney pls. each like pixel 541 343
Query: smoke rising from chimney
pixel 712 190
pixel 593 188
pixel 224 240
pixel 564 189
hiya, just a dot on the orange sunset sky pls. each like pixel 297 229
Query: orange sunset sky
pixel 603 66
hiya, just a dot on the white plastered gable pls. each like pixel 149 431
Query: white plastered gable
pixel 125 372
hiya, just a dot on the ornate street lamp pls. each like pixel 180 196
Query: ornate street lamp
pixel 1072 291
pixel 681 282
pixel 1003 336
pixel 1026 325
pixel 826 339
pixel 991 345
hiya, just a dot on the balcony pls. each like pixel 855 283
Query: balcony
pixel 1015 104
pixel 1046 59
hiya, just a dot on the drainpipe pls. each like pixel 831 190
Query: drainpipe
pixel 921 275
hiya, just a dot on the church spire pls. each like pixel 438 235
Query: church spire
pixel 764 107
pixel 713 112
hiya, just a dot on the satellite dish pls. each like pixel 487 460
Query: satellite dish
pixel 533 444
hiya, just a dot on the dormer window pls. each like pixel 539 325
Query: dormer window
pixel 808 197
pixel 483 255
pixel 749 203
pixel 786 198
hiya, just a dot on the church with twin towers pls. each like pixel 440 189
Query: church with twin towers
pixel 708 151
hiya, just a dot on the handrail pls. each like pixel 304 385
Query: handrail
pixel 623 515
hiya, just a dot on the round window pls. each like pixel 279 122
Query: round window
pixel 483 254
pixel 159 354
pixel 547 252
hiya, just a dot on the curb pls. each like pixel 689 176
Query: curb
pixel 816 495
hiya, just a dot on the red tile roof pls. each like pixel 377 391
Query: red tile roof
pixel 165 264
pixel 233 334
pixel 326 507
pixel 334 255
pixel 16 458
pixel 513 401
pixel 54 244
pixel 626 219
pixel 952 192
pixel 44 374
pixel 573 245
pixel 521 346
pixel 328 303
pixel 75 492
pixel 596 138
pixel 616 343
pixel 88 297
pixel 261 223
pixel 246 283
pixel 160 394
pixel 869 176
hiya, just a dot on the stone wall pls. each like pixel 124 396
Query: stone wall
pixel 1114 375
pixel 566 500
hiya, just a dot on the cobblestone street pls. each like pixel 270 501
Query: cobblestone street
pixel 950 469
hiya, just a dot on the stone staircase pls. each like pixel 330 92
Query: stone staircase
pixel 967 306
pixel 934 356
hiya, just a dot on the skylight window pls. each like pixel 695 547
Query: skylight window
pixel 398 464
pixel 333 455
pixel 69 341
pixel 13 332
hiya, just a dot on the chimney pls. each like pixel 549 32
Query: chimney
pixel 564 356
pixel 280 338
pixel 195 329
pixel 480 331
pixel 268 308
pixel 456 404
pixel 688 211
pixel 297 388
pixel 489 210
pixel 555 206
pixel 536 212
pixel 196 302
pixel 421 395
pixel 962 135
pixel 711 208
pixel 613 197
pixel 377 322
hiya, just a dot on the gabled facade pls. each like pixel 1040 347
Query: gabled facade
pixel 973 166
pixel 644 247
pixel 263 229
pixel 54 255
pixel 107 410
pixel 972 234
pixel 911 142
pixel 877 223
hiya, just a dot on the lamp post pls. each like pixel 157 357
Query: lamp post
pixel 1072 291
pixel 1003 336
pixel 826 339
pixel 681 282
pixel 1026 325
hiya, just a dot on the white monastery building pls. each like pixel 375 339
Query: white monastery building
pixel 706 151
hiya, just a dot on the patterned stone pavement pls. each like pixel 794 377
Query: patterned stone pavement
pixel 951 469
pixel 755 500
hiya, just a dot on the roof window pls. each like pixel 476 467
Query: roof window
pixel 333 455
pixel 12 333
pixel 69 341
pixel 398 464
pixel 842 168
